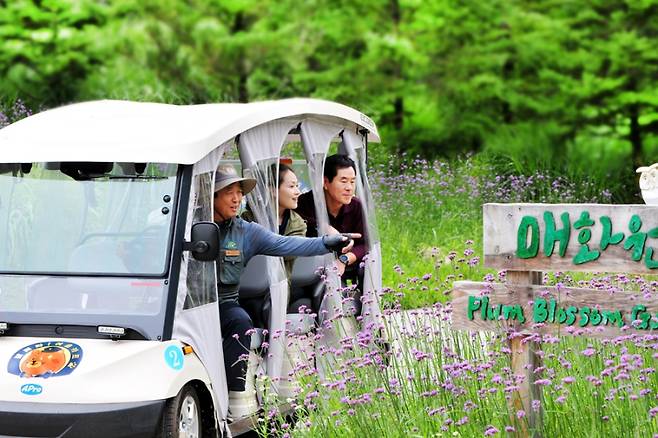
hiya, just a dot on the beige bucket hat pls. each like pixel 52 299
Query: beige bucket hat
pixel 227 175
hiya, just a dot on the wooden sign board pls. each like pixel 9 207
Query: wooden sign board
pixel 549 310
pixel 571 237
pixel 526 239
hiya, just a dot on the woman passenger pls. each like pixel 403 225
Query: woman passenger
pixel 290 222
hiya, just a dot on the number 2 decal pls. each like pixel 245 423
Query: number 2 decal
pixel 174 357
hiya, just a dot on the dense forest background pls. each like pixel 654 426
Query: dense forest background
pixel 561 86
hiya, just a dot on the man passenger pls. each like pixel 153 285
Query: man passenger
pixel 344 209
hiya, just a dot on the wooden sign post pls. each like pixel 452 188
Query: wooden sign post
pixel 526 239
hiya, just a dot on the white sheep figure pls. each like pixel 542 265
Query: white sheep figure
pixel 649 183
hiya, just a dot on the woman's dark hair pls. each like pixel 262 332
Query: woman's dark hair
pixel 283 168
pixel 334 163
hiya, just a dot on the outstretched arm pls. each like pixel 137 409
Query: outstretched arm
pixel 265 242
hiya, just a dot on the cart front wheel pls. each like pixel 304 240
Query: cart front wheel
pixel 182 416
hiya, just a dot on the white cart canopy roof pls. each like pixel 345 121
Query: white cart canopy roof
pixel 121 131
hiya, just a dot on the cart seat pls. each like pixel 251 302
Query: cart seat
pixel 255 282
pixel 307 288
pixel 306 285
pixel 254 291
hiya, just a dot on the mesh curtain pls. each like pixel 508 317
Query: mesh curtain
pixel 259 150
pixel 316 138
pixel 196 320
pixel 355 148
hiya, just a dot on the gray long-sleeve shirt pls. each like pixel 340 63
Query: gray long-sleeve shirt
pixel 261 241
pixel 241 240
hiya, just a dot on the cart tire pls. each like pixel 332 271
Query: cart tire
pixel 182 415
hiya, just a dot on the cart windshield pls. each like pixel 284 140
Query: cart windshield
pixel 88 240
pixel 86 218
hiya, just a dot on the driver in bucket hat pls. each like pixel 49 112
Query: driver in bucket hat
pixel 239 242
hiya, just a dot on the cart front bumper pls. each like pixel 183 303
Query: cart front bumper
pixel 44 420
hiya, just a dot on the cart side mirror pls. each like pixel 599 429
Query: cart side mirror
pixel 205 241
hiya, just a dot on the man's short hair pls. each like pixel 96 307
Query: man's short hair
pixel 334 163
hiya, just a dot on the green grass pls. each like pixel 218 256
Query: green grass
pixel 439 382
pixel 434 209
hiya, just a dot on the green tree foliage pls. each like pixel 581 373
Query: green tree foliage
pixel 46 48
pixel 196 51
pixel 616 90
pixel 532 79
